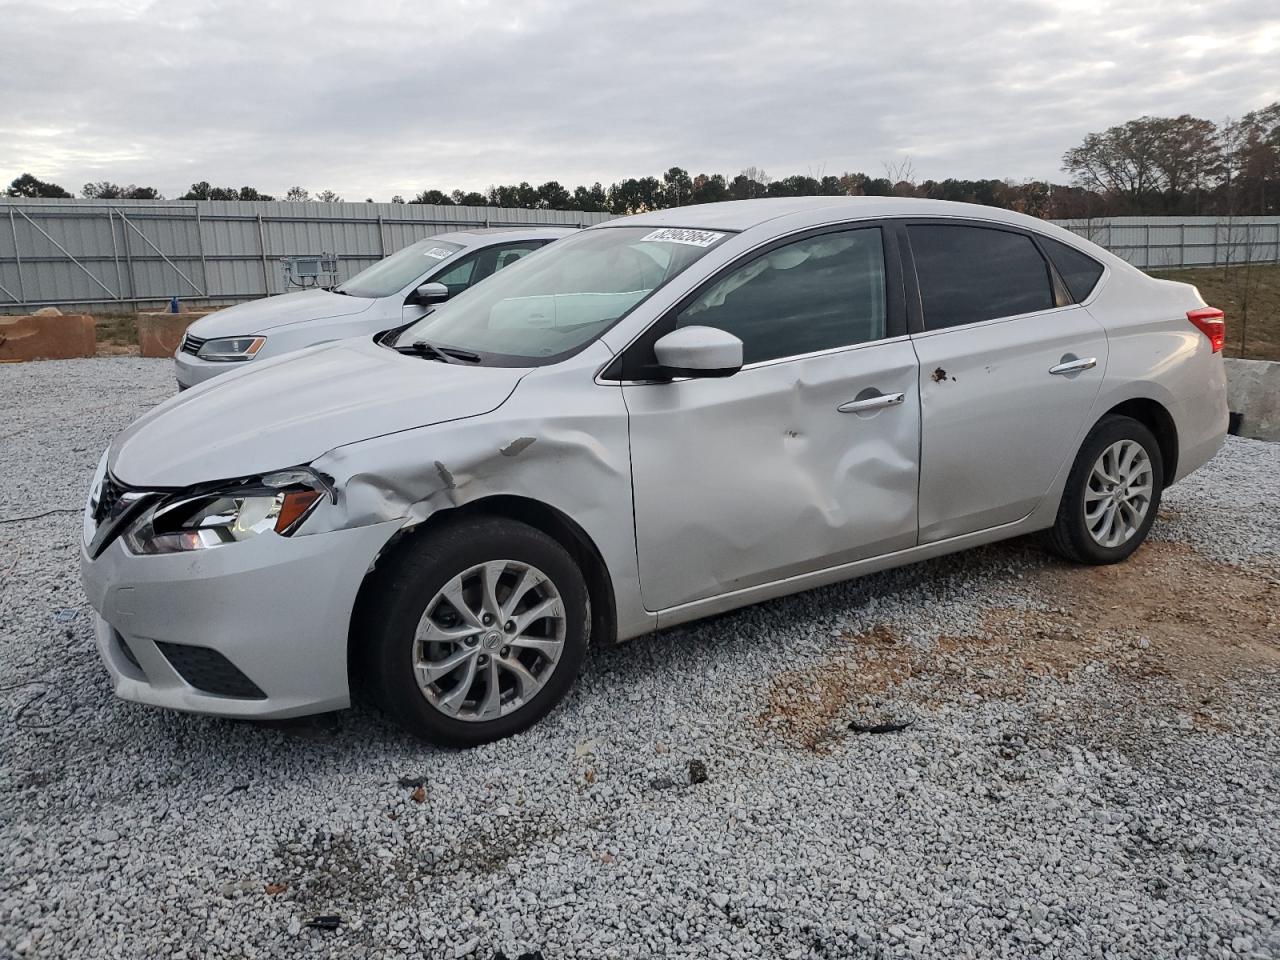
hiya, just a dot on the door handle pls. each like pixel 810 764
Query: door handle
pixel 1073 366
pixel 872 403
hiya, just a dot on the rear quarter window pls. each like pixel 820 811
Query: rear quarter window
pixel 968 274
pixel 1079 271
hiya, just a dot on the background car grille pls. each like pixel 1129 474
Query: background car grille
pixel 192 344
pixel 210 671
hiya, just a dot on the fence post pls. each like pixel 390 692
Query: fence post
pixel 128 260
pixel 262 249
pixel 115 253
pixel 17 255
pixel 204 267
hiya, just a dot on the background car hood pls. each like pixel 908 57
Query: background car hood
pixel 259 316
pixel 296 407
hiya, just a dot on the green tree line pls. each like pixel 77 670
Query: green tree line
pixel 1147 166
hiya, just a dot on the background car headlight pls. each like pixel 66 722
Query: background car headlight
pixel 231 348
pixel 276 503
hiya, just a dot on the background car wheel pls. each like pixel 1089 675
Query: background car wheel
pixel 474 631
pixel 1112 495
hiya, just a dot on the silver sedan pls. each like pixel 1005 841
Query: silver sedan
pixel 655 419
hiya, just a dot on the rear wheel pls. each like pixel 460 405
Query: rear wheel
pixel 476 631
pixel 1112 494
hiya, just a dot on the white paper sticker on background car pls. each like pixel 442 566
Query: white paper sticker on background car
pixel 436 253
pixel 695 238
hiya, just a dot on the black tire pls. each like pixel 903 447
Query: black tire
pixel 393 605
pixel 1070 535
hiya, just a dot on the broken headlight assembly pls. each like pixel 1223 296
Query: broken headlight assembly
pixel 198 519
pixel 231 348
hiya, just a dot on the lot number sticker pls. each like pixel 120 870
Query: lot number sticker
pixel 694 238
pixel 436 253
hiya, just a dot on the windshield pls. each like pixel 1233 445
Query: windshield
pixel 394 273
pixel 551 304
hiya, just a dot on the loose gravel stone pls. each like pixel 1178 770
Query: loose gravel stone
pixel 1062 791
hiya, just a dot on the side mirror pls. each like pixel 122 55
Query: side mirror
pixel 431 293
pixel 699 352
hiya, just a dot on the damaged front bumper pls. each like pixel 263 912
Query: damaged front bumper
pixel 251 629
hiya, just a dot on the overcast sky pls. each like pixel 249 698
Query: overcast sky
pixel 374 98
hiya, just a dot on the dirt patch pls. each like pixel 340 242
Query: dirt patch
pixel 1167 615
pixel 117 335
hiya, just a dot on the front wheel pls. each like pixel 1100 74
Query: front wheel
pixel 475 631
pixel 1112 494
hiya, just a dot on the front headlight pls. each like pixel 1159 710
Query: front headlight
pixel 231 348
pixel 198 519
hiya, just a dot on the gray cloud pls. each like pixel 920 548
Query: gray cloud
pixel 378 98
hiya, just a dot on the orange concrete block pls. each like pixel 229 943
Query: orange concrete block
pixel 62 337
pixel 160 333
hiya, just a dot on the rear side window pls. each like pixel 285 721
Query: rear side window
pixel 1079 271
pixel 814 294
pixel 969 274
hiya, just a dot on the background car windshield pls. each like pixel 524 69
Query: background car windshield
pixel 394 273
pixel 565 296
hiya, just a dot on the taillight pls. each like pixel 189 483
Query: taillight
pixel 1212 323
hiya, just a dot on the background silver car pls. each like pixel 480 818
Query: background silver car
pixel 377 298
pixel 656 419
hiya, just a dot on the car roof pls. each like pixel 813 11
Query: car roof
pixel 485 236
pixel 745 214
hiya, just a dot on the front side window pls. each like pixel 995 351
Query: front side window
pixel 459 275
pixel 814 294
pixel 1079 271
pixel 969 274
pixel 544 307
pixel 392 274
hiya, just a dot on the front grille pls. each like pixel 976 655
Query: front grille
pixel 108 499
pixel 192 344
pixel 210 671
pixel 116 508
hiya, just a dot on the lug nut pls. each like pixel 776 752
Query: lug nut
pixel 483 660
pixel 505 651
pixel 487 619
pixel 471 641
pixel 510 626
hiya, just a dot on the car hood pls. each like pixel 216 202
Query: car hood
pixel 259 316
pixel 294 408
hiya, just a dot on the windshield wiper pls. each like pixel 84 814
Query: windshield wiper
pixel 430 351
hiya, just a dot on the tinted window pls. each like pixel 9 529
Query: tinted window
pixel 968 274
pixel 1079 271
pixel 815 294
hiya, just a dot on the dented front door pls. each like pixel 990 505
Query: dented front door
pixel 782 469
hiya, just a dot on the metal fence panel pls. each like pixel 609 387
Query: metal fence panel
pixel 98 255
pixel 1161 243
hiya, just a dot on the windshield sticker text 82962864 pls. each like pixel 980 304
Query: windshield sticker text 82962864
pixel 695 238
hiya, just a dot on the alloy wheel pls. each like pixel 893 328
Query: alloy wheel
pixel 1117 496
pixel 489 640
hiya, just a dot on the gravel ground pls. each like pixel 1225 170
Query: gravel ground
pixel 1091 766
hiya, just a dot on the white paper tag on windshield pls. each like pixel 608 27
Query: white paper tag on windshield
pixel 694 238
pixel 436 253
